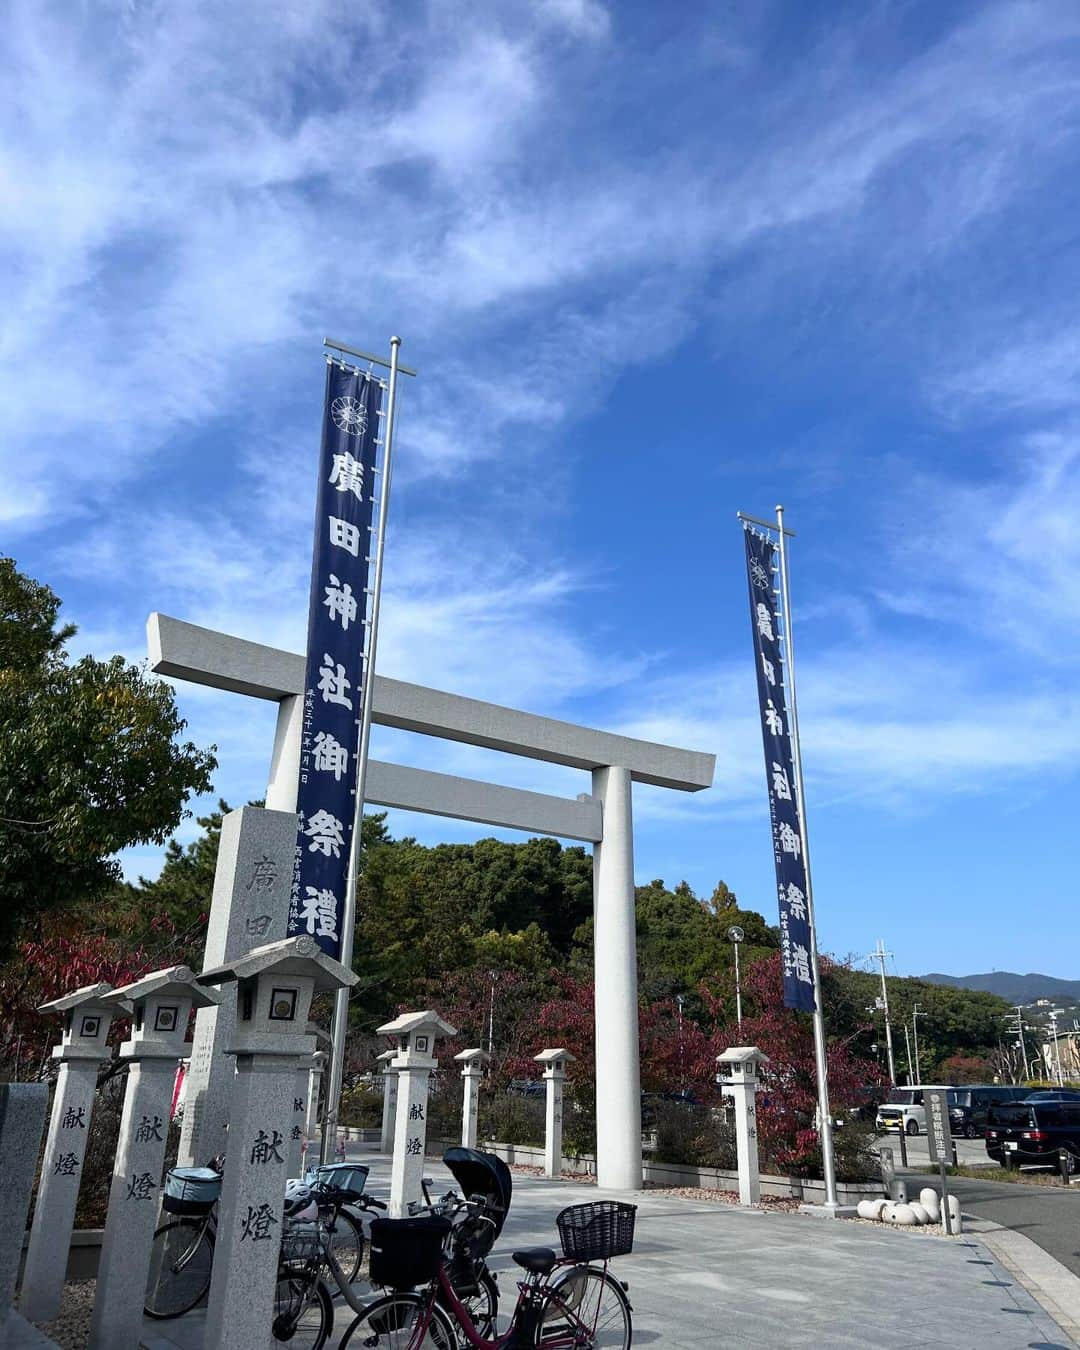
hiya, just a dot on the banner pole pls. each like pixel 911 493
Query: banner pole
pixel 348 920
pixel 827 1159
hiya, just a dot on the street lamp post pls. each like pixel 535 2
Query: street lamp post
pixel 493 977
pixel 735 936
pixel 682 1070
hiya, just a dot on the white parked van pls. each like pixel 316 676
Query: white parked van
pixel 905 1108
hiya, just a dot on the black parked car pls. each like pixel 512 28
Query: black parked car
pixel 968 1106
pixel 1032 1132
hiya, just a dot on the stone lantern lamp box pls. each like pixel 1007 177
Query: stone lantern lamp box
pixel 740 1064
pixel 416 1034
pixel 86 1021
pixel 275 986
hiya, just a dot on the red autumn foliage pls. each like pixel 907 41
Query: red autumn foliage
pixel 56 964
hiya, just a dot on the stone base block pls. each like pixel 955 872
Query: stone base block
pixel 829 1211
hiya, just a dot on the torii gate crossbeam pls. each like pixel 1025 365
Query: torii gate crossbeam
pixel 604 818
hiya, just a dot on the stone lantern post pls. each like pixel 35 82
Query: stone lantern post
pixel 160 1006
pixel 738 1079
pixel 472 1070
pixel 554 1062
pixel 415 1059
pixel 275 985
pixel 389 1100
pixel 81 1051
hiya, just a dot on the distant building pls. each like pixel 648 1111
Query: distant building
pixel 1068 1047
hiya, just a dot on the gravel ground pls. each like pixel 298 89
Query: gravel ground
pixel 773 1202
pixel 72 1327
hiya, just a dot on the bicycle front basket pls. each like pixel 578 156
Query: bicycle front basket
pixel 597 1231
pixel 301 1243
pixel 407 1252
pixel 191 1190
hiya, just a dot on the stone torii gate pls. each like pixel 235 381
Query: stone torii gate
pixel 603 818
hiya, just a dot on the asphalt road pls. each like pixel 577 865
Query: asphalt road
pixel 1049 1216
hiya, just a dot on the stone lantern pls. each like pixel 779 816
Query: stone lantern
pixel 416 1034
pixel 389 1101
pixel 554 1062
pixel 472 1069
pixel 275 985
pixel 82 1048
pixel 160 1006
pixel 738 1078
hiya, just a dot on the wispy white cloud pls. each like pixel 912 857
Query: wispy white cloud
pixel 334 168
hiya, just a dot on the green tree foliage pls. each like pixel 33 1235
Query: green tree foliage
pixel 90 761
pixel 424 911
pixel 957 1021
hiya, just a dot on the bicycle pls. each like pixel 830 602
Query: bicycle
pixel 564 1303
pixel 468 1240
pixel 477 1223
pixel 182 1256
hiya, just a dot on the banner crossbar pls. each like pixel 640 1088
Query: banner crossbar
pixel 365 356
pixel 765 524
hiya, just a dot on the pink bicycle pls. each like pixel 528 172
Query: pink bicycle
pixel 570 1302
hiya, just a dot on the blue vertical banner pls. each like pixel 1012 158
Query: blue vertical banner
pixel 784 807
pixel 334 680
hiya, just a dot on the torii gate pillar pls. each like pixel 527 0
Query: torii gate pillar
pixel 618 1078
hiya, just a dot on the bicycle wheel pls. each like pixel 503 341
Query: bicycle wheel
pixel 585 1297
pixel 483 1305
pixel 394 1322
pixel 303 1312
pixel 347 1243
pixel 181 1261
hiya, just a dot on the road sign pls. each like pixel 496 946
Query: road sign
pixel 939 1137
pixel 937 1127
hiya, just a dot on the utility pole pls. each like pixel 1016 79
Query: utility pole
pixel 1054 1014
pixel 879 954
pixel 1020 1033
pixel 915 1015
pixel 907 1043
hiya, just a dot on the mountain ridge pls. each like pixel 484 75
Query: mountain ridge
pixel 1010 985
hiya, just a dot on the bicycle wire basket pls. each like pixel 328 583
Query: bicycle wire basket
pixel 301 1243
pixel 407 1252
pixel 597 1231
pixel 191 1190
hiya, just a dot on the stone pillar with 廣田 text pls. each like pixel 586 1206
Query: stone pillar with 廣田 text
pixel 250 907
pixel 416 1034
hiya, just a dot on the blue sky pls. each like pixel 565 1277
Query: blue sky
pixel 653 267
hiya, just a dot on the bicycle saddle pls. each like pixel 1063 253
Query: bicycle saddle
pixel 536 1260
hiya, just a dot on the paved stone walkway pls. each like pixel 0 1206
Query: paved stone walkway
pixel 704 1276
